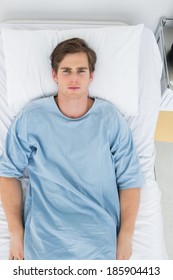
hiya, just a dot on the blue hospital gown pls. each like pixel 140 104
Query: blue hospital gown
pixel 76 168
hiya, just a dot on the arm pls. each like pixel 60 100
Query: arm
pixel 129 204
pixel 12 201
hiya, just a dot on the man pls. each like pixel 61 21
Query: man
pixel 84 173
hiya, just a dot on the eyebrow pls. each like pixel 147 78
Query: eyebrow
pixel 81 67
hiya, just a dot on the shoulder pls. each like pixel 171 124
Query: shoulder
pixel 116 124
pixel 30 113
pixel 109 111
pixel 37 105
pixel 36 108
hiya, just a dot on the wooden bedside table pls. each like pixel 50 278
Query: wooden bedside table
pixel 164 128
pixel 164 37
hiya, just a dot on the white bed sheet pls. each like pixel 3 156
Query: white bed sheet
pixel 148 241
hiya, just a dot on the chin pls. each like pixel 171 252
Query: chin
pixel 75 96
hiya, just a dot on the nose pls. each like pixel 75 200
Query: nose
pixel 74 77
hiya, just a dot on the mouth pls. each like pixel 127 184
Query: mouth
pixel 74 88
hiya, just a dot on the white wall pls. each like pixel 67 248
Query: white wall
pixel 132 11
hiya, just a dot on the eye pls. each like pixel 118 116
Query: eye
pixel 67 71
pixel 81 71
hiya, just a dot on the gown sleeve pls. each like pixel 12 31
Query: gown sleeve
pixel 17 150
pixel 125 158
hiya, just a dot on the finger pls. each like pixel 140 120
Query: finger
pixel 11 257
pixel 17 258
pixel 21 257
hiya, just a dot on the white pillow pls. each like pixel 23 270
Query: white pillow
pixel 28 65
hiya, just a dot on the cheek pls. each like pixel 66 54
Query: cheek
pixel 62 79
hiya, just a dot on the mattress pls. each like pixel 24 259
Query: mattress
pixel 148 240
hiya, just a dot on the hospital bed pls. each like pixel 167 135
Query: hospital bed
pixel 141 90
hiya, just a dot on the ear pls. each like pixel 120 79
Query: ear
pixel 54 75
pixel 91 76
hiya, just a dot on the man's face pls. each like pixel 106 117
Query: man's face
pixel 73 76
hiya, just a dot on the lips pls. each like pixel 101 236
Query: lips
pixel 73 88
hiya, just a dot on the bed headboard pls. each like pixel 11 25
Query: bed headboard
pixel 133 12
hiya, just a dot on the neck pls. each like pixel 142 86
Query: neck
pixel 74 108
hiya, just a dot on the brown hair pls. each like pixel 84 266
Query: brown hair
pixel 72 46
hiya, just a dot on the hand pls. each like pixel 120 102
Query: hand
pixel 124 246
pixel 17 246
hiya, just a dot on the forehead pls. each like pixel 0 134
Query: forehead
pixel 77 59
